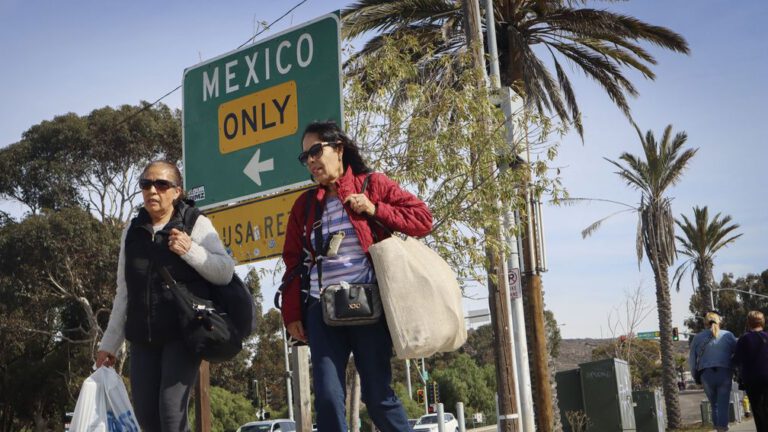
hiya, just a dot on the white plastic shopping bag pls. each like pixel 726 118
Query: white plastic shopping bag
pixel 103 405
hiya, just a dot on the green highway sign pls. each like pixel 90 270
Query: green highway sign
pixel 648 335
pixel 244 112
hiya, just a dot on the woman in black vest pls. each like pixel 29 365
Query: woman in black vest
pixel 162 370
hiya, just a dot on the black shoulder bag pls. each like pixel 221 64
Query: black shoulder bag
pixel 207 330
pixel 213 328
pixel 345 304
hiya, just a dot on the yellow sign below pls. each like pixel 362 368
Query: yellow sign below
pixel 258 117
pixel 255 230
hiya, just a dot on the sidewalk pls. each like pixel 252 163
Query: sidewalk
pixel 747 425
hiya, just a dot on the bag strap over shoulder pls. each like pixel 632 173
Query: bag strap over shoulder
pixel 371 218
pixel 190 216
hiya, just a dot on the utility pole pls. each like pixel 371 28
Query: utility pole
pixel 498 290
pixel 203 399
pixel 301 401
pixel 288 389
pixel 511 220
pixel 532 248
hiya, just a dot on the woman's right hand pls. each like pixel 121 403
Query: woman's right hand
pixel 104 358
pixel 296 329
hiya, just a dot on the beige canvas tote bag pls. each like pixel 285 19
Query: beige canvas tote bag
pixel 421 298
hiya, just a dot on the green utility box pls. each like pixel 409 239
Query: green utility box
pixel 606 389
pixel 649 411
pixel 569 399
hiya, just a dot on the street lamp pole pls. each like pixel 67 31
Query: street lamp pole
pixel 737 290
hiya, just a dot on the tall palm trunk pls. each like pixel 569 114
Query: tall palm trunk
pixel 669 378
pixel 707 284
pixel 659 256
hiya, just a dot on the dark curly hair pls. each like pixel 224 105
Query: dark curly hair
pixel 331 132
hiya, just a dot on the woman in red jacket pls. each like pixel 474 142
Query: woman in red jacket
pixel 343 212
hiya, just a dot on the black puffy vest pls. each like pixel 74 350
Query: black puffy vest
pixel 152 316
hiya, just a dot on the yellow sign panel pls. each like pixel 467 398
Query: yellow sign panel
pixel 258 117
pixel 255 230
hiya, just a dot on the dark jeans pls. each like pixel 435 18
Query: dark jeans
pixel 717 387
pixel 161 379
pixel 372 349
pixel 758 402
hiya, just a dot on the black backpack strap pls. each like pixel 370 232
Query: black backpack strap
pixel 317 226
pixel 189 217
pixel 302 270
pixel 371 218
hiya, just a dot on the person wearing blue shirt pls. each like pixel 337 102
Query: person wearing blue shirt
pixel 711 353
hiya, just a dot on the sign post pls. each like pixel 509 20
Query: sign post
pixel 244 112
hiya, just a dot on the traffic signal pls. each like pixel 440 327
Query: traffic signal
pixel 267 396
pixel 420 396
pixel 675 334
pixel 435 392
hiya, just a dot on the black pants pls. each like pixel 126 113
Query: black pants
pixel 161 379
pixel 758 401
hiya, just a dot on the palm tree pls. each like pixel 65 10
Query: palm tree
pixel 702 240
pixel 661 167
pixel 602 44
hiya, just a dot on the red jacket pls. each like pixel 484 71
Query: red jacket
pixel 397 209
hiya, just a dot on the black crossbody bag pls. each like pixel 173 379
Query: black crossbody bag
pixel 344 304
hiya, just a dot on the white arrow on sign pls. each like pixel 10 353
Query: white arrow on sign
pixel 255 167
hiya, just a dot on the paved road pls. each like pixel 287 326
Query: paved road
pixel 690 401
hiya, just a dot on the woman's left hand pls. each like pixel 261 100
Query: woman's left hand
pixel 179 242
pixel 360 204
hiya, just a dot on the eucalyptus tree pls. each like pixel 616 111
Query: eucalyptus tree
pixel 702 239
pixel 530 34
pixel 90 161
pixel 57 273
pixel 660 167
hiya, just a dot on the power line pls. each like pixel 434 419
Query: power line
pixel 267 27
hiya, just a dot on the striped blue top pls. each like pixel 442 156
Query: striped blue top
pixel 350 264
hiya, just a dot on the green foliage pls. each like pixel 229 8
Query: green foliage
pixel 228 411
pixel 404 126
pixel 702 239
pixel 57 283
pixel 602 44
pixel 733 305
pixel 77 176
pixel 480 345
pixel 553 334
pixel 643 356
pixel 466 382
pixel 91 161
pixel 268 362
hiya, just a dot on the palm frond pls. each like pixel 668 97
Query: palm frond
pixel 586 232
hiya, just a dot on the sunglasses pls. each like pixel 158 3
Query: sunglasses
pixel 159 184
pixel 316 150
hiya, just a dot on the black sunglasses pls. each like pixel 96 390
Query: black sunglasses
pixel 159 184
pixel 316 150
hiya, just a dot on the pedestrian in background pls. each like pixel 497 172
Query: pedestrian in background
pixel 751 358
pixel 162 369
pixel 712 354
pixel 338 209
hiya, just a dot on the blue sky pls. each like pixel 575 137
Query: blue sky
pixel 79 55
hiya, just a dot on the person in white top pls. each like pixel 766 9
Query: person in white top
pixel 162 369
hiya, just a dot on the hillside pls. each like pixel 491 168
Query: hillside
pixel 575 351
